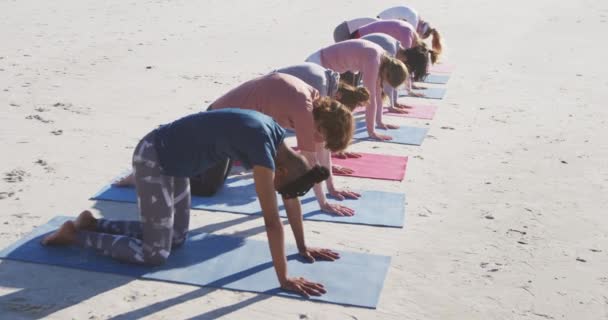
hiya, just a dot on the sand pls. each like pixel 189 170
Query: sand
pixel 507 200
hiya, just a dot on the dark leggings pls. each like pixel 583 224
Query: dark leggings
pixel 211 181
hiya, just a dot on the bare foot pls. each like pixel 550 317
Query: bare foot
pixel 65 235
pixel 86 221
pixel 125 181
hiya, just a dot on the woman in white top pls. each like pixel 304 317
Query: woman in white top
pixel 423 28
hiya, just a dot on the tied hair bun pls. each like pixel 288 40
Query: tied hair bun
pixel 302 184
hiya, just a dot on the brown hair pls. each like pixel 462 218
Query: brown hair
pixel 396 72
pixel 437 43
pixel 335 122
pixel 351 97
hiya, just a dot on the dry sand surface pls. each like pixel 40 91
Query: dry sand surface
pixel 507 199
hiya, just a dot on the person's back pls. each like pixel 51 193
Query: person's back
pixel 401 12
pixel 398 29
pixel 323 80
pixel 388 43
pixel 191 144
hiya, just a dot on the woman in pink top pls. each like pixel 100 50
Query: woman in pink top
pixel 377 69
pixel 423 28
pixel 321 124
pixel 398 29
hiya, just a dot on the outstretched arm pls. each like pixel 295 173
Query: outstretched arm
pixel 294 215
pixel 264 186
pixel 325 205
pixel 324 157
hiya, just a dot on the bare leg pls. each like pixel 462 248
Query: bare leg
pixel 86 221
pixel 65 235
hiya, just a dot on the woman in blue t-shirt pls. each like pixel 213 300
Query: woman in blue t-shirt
pixel 165 158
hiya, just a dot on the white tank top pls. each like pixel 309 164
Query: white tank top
pixel 402 12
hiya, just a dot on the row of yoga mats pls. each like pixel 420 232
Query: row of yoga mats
pixel 242 264
pixel 238 195
pixel 226 262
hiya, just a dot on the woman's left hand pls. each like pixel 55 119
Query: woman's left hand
pixel 344 194
pixel 388 126
pixel 341 170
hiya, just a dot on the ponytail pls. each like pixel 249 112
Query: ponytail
pixel 437 43
pixel 352 97
pixel 335 122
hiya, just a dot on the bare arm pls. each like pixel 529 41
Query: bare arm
pixel 325 205
pixel 264 187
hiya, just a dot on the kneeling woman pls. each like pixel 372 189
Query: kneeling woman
pixel 321 125
pixel 400 30
pixel 422 27
pixel 377 69
pixel 165 158
pixel 416 59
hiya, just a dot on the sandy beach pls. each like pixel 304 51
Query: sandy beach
pixel 506 198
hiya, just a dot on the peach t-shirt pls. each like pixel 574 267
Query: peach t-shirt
pixel 285 98
pixel 363 56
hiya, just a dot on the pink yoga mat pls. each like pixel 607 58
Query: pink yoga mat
pixel 442 68
pixel 418 110
pixel 374 166
pixel 371 166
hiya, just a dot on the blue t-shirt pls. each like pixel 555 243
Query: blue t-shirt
pixel 188 146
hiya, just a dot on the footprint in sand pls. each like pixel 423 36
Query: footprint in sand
pixel 57 132
pixel 15 175
pixel 39 118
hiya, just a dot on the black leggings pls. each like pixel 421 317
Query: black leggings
pixel 211 180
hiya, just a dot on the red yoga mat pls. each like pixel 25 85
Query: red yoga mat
pixel 371 166
pixel 374 166
pixel 418 110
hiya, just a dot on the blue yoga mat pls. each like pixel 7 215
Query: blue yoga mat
pixel 216 261
pixel 238 196
pixel 429 93
pixel 437 78
pixel 402 135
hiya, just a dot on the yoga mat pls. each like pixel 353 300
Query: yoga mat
pixel 403 135
pixel 238 196
pixel 442 68
pixel 437 78
pixel 374 166
pixel 428 93
pixel 226 262
pixel 417 110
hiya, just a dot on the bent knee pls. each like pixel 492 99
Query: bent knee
pixel 156 257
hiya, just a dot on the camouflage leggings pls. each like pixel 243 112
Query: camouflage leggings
pixel 164 215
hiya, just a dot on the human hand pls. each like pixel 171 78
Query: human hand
pixel 346 154
pixel 402 106
pixel 335 169
pixel 337 209
pixel 343 194
pixel 303 287
pixel 314 254
pixel 398 110
pixel 381 137
pixel 388 126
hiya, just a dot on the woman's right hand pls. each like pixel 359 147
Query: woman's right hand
pixel 397 110
pixel 381 137
pixel 303 287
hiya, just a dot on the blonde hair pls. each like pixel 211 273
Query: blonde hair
pixel 436 42
pixel 335 122
pixel 351 97
pixel 393 70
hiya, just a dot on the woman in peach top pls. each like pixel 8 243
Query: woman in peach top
pixel 377 69
pixel 321 124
